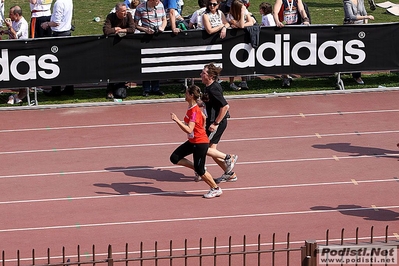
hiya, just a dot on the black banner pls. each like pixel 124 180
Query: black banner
pixel 295 49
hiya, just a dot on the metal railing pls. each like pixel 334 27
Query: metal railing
pixel 273 253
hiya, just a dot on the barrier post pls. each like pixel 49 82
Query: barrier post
pixel 309 253
pixel 110 260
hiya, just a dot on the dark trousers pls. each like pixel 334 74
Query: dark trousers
pixel 36 31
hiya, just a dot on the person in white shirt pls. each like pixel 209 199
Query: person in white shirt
pixel 196 17
pixel 61 19
pixel 61 25
pixel 266 9
pixel 18 28
pixel 40 13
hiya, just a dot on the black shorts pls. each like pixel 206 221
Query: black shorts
pixel 198 150
pixel 218 135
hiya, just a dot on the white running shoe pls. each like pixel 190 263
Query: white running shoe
pixel 230 163
pixel 213 192
pixel 226 178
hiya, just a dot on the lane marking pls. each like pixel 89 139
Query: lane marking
pixel 173 166
pixel 189 219
pixel 70 198
pixel 171 122
pixel 177 143
pixel 354 182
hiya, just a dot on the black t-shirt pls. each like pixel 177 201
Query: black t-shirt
pixel 215 103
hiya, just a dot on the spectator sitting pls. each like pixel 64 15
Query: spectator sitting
pixel 121 23
pixel 239 18
pixel 18 28
pixel 196 17
pixel 132 7
pixel 152 16
pixel 170 7
pixel 266 9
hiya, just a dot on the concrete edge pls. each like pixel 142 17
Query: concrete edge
pixel 168 100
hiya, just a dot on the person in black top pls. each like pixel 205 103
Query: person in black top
pixel 216 110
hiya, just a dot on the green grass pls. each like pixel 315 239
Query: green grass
pixel 322 12
pixel 257 86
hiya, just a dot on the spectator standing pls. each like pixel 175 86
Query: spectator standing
pixel 217 114
pixel 355 13
pixel 18 28
pixel 197 143
pixel 239 18
pixel 266 9
pixel 289 12
pixel 40 13
pixel 214 20
pixel 150 17
pixel 60 24
pixel 121 23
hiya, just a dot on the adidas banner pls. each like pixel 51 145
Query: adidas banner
pixel 312 49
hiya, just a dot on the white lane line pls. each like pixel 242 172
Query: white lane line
pixel 189 219
pixel 173 166
pixel 175 143
pixel 171 122
pixel 84 127
pixel 194 191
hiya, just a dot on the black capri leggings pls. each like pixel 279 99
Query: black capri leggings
pixel 198 150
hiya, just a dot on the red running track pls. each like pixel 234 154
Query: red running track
pixel 101 175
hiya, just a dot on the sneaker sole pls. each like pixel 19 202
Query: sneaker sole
pixel 213 196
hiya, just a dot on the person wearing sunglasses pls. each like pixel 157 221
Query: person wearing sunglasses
pixel 214 20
